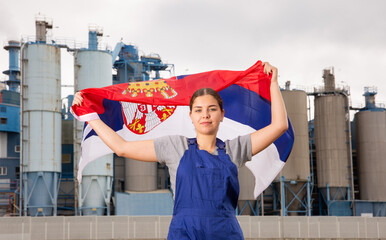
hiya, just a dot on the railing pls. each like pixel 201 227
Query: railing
pixel 11 193
pixel 69 43
pixel 363 105
pixel 338 88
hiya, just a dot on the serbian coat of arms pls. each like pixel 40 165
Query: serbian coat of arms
pixel 142 118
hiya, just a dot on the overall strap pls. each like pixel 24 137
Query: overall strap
pixel 220 146
pixel 192 143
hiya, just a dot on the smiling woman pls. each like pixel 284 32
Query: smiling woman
pixel 203 170
pixel 206 112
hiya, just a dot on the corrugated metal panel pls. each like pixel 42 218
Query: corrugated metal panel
pixel 146 203
pixel 371 152
pixel 10 118
pixel 3 144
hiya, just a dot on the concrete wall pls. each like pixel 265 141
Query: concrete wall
pixel 156 227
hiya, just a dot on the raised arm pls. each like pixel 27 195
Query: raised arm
pixel 138 150
pixel 279 124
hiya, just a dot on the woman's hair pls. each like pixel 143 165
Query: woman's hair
pixel 206 91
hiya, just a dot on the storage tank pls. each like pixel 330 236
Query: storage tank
pixel 93 68
pixel 140 176
pixel 332 140
pixel 41 127
pixel 370 125
pixel 297 168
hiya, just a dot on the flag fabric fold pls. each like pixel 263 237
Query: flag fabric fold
pixel 146 110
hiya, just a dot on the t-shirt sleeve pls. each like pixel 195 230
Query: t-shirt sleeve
pixel 239 149
pixel 170 149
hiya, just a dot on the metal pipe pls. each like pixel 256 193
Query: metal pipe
pixel 262 203
pixel 282 191
pixel 310 143
pixel 21 178
pixel 76 153
pixel 308 197
pixel 350 145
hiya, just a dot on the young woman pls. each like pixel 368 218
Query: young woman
pixel 203 170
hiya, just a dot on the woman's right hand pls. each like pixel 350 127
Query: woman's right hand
pixel 78 99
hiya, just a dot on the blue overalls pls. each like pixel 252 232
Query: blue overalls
pixel 207 191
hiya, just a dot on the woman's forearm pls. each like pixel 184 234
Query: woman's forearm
pixel 138 150
pixel 279 113
pixel 262 138
pixel 108 136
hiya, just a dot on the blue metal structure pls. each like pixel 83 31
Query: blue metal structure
pixel 141 204
pixel 10 128
pixel 327 198
pixel 14 69
pixel 369 95
pixel 133 68
pixel 254 206
pixel 374 208
pixel 286 196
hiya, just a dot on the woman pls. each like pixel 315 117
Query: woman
pixel 203 171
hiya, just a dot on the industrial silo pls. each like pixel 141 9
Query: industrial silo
pixel 93 68
pixel 296 171
pixel 332 141
pixel 41 124
pixel 140 176
pixel 370 125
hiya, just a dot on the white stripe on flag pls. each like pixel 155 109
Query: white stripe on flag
pixel 264 166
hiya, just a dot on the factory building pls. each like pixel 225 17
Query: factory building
pixel 10 132
pixel 333 161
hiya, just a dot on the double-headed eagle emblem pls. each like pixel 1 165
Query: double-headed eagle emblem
pixel 142 118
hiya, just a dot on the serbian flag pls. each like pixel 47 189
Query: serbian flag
pixel 151 109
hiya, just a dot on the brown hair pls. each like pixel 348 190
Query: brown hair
pixel 206 91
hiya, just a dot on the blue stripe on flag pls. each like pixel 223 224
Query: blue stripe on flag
pixel 112 116
pixel 249 108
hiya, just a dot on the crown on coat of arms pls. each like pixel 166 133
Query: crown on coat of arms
pixel 149 88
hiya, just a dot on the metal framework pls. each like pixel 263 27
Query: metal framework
pixel 254 207
pixel 106 196
pixel 340 194
pixel 280 198
pixel 29 191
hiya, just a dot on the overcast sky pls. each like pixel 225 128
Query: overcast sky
pixel 300 37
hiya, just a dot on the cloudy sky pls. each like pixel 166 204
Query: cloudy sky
pixel 300 37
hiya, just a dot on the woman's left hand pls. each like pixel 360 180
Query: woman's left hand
pixel 268 69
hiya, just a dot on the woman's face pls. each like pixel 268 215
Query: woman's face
pixel 206 115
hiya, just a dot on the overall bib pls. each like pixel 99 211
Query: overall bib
pixel 207 191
